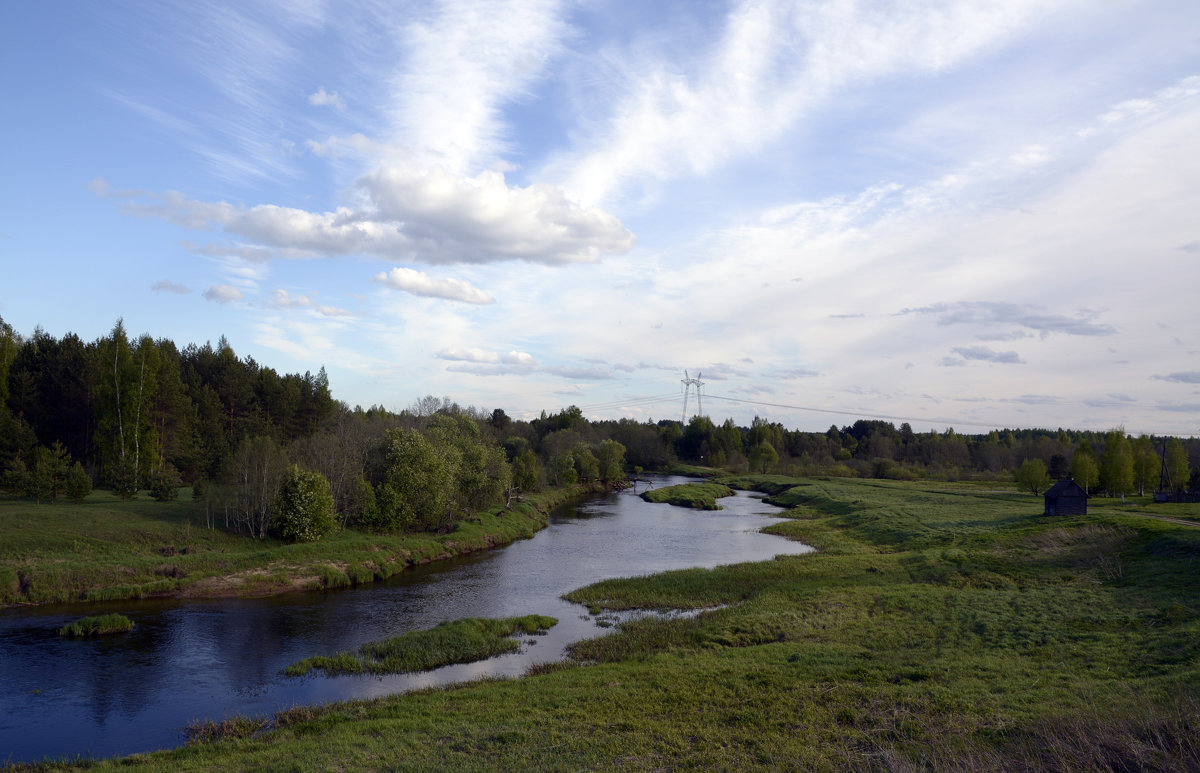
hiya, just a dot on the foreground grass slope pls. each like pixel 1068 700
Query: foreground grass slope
pixel 106 549
pixel 940 627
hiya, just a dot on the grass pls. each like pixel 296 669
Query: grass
pixel 939 627
pixel 105 549
pixel 454 641
pixel 97 625
pixel 700 496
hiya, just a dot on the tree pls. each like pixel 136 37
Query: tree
pixel 253 476
pixel 481 470
pixel 1116 464
pixel 526 471
pixel 611 458
pixel 1032 475
pixel 304 507
pixel 1146 464
pixel 165 483
pixel 763 456
pixel 1177 464
pixel 79 483
pixel 586 464
pixel 1084 469
pixel 417 491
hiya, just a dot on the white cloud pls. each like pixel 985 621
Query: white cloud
pixel 223 294
pixel 167 286
pixel 323 98
pixel 410 213
pixel 419 283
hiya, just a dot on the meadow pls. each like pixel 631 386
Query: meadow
pixel 939 627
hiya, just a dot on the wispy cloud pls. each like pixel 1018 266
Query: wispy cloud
pixel 1182 377
pixel 985 354
pixel 773 62
pixel 283 300
pixel 167 286
pixel 463 62
pixel 419 283
pixel 992 313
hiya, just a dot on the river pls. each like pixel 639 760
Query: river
pixel 183 662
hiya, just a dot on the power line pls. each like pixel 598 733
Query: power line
pixel 857 414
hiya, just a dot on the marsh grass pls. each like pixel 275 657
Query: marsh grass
pixel 454 641
pixel 941 627
pixel 699 496
pixel 97 625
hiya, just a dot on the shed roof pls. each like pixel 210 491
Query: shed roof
pixel 1066 487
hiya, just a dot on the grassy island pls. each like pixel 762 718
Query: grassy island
pixel 699 496
pixel 454 641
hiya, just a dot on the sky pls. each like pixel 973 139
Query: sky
pixel 953 213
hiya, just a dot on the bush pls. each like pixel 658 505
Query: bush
pixel 304 508
pixel 124 479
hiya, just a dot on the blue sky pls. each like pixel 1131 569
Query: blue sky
pixel 968 214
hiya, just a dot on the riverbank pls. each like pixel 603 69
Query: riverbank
pixel 939 627
pixel 106 549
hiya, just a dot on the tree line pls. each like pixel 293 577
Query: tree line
pixel 140 414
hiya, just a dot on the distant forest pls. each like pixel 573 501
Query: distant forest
pixel 140 413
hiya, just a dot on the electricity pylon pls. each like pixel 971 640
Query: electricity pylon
pixel 689 382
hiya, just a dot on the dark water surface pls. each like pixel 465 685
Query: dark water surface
pixel 210 659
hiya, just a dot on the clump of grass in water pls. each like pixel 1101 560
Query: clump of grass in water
pixel 97 625
pixel 454 641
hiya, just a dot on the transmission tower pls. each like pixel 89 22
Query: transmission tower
pixel 689 382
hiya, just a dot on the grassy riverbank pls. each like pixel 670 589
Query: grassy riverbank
pixel 108 549
pixel 940 627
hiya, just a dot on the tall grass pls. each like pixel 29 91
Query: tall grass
pixel 98 625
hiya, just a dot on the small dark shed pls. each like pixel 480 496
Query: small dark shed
pixel 1066 498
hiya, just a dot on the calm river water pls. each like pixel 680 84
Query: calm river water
pixel 187 661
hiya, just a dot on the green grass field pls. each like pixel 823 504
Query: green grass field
pixel 939 627
pixel 108 549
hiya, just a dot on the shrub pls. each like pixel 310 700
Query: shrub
pixel 304 508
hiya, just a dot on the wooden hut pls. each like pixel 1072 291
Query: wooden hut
pixel 1066 498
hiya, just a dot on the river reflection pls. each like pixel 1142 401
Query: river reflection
pixel 135 692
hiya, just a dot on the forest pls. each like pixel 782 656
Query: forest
pixel 270 453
